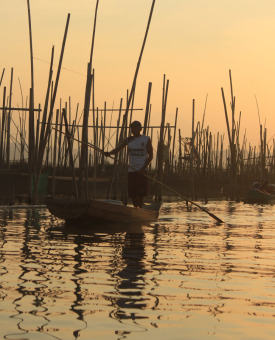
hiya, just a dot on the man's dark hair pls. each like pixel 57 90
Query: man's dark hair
pixel 136 123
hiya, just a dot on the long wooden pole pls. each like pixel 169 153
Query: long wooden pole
pixel 130 98
pixel 48 130
pixel 146 117
pixel 44 116
pixel 3 128
pixel 192 151
pixel 83 187
pixel 174 138
pixel 31 50
pixel 54 156
pixel 2 76
pixel 69 137
pixel 9 123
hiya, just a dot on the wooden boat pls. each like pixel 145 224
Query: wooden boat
pixel 258 196
pixel 101 210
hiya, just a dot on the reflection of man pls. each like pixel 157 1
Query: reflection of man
pixel 140 156
pixel 131 274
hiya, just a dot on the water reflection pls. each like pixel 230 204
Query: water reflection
pixel 67 281
pixel 130 276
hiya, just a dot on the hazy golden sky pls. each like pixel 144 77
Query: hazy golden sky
pixel 193 42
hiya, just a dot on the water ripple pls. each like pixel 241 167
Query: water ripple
pixel 157 280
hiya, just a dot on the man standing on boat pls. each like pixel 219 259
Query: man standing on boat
pixel 140 152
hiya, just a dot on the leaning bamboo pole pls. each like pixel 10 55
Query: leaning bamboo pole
pixel 45 109
pixel 48 129
pixel 130 98
pixel 2 76
pixel 83 187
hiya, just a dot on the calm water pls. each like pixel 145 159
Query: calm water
pixel 185 277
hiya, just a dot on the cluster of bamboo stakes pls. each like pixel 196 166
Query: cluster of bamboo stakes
pixel 197 161
pixel 59 142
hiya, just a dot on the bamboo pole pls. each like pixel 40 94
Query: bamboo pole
pixel 3 128
pixel 54 156
pixel 84 150
pixel 31 50
pixel 31 155
pixel 8 124
pixel 2 76
pixel 146 117
pixel 138 65
pixel 192 153
pixel 161 139
pixel 37 135
pixel 48 129
pixel 174 137
pixel 68 135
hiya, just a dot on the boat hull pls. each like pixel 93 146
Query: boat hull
pixel 257 196
pixel 101 210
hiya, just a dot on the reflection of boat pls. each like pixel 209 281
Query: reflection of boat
pixel 101 210
pixel 258 196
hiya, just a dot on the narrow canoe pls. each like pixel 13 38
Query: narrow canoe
pixel 258 196
pixel 101 210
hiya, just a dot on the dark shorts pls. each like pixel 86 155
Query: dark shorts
pixel 137 185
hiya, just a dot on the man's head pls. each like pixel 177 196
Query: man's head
pixel 135 127
pixel 136 123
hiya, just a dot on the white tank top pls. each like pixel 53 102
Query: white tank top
pixel 137 150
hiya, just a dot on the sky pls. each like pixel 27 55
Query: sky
pixel 193 42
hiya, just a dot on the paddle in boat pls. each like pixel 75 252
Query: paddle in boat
pixel 96 211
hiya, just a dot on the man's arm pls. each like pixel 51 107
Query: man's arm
pixel 117 149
